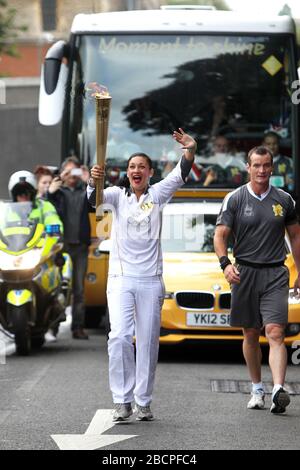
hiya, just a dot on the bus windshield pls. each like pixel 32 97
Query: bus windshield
pixel 231 92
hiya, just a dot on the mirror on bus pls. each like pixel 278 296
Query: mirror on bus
pixel 105 246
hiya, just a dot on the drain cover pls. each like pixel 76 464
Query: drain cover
pixel 244 386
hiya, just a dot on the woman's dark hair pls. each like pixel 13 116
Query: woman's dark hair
pixel 124 182
pixel 140 154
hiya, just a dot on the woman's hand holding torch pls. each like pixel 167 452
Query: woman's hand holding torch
pixel 97 172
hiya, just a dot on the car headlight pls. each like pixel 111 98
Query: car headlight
pixel 293 299
pixel 27 260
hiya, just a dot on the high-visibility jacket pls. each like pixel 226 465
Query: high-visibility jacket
pixel 45 213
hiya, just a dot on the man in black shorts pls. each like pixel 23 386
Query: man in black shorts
pixel 257 215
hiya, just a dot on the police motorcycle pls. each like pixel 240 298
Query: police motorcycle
pixel 35 277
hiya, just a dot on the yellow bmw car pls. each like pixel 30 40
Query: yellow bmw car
pixel 197 300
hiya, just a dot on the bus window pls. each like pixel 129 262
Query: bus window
pixel 236 86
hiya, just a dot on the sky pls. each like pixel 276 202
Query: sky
pixel 264 6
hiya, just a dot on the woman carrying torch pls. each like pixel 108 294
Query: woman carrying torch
pixel 135 289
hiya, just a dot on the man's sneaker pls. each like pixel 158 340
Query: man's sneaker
pixel 257 401
pixel 143 413
pixel 50 336
pixel 122 412
pixel 280 401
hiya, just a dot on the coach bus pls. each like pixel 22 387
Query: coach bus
pixel 226 79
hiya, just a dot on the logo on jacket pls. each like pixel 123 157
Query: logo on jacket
pixel 248 211
pixel 147 206
pixel 282 168
pixel 277 209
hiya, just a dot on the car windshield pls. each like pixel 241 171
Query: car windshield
pixel 189 227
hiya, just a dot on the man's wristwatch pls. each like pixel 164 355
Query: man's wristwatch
pixel 91 182
pixel 224 261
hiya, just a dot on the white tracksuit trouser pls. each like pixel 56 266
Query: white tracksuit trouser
pixel 134 309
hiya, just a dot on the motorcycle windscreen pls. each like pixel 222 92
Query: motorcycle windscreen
pixel 18 224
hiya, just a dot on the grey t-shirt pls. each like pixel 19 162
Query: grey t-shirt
pixel 258 226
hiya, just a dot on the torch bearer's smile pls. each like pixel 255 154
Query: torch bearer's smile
pixel 138 181
pixel 137 178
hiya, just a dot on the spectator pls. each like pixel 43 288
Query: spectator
pixel 68 194
pixel 223 168
pixel 44 177
pixel 282 166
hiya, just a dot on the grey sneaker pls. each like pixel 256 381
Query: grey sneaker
pixel 257 401
pixel 280 401
pixel 144 413
pixel 122 412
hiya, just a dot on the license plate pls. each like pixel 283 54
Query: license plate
pixel 207 319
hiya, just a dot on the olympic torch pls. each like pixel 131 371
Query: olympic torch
pixel 102 101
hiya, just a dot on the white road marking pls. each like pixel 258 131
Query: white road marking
pixel 93 438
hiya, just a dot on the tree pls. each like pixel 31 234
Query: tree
pixel 160 110
pixel 286 10
pixel 8 29
pixel 219 4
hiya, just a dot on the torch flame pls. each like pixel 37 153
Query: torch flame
pixel 95 90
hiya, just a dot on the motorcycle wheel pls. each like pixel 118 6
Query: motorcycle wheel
pixel 21 329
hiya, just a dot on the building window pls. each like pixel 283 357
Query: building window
pixel 48 14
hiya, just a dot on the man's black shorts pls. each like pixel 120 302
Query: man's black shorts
pixel 261 297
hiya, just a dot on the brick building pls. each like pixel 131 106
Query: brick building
pixel 49 20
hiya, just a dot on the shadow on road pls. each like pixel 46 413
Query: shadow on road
pixel 216 353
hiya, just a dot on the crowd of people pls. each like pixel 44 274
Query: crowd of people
pixel 224 166
pixel 221 163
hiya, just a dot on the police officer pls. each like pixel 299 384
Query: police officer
pixel 22 187
pixel 257 215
